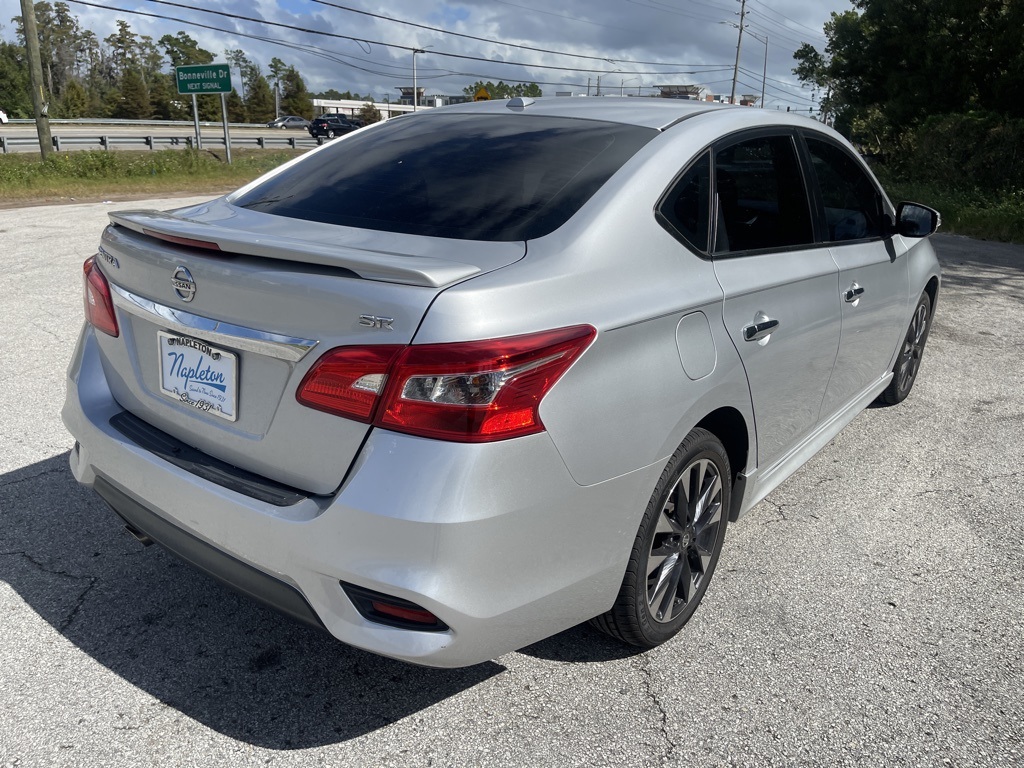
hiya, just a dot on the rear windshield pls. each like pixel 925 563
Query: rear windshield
pixel 470 177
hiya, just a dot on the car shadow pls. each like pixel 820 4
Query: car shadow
pixel 581 644
pixel 234 666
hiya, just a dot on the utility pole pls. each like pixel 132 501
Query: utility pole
pixel 764 74
pixel 35 77
pixel 739 42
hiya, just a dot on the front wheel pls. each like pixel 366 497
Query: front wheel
pixel 908 362
pixel 677 547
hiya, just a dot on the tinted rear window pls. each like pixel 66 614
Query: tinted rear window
pixel 471 177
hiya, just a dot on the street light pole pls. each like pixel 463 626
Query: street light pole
pixel 415 89
pixel 764 73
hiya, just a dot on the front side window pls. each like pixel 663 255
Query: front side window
pixel 471 177
pixel 762 201
pixel 854 208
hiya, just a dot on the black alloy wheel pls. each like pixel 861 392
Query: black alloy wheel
pixel 677 546
pixel 908 362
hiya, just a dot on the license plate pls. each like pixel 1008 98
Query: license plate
pixel 199 375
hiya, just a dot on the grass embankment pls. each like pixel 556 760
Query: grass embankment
pixel 974 213
pixel 120 175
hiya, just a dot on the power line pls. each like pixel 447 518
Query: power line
pixel 816 32
pixel 773 31
pixel 673 11
pixel 770 79
pixel 500 42
pixel 334 55
pixel 408 48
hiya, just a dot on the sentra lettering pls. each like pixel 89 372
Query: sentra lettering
pixel 196 373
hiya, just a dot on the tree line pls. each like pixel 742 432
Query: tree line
pixel 936 86
pixel 130 76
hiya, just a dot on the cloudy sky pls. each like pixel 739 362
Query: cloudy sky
pixel 631 45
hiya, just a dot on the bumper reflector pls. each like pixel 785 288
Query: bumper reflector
pixel 392 611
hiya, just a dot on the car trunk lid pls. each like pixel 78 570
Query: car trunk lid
pixel 235 306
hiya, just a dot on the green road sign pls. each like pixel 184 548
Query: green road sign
pixel 203 78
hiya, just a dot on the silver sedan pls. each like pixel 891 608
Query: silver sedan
pixel 463 379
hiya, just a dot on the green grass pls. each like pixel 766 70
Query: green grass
pixel 972 212
pixel 82 175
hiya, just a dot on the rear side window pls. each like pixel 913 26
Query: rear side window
pixel 685 209
pixel 470 177
pixel 762 201
pixel 854 207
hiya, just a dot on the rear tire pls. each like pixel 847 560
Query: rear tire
pixel 908 362
pixel 331 134
pixel 677 547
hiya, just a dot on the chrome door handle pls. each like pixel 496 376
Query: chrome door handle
pixel 851 294
pixel 762 327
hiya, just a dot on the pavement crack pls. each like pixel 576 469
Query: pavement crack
pixel 647 679
pixel 44 473
pixel 44 568
pixel 1008 476
pixel 780 510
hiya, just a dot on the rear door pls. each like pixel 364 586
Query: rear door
pixel 873 281
pixel 781 306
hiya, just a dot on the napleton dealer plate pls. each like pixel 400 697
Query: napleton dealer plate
pixel 199 375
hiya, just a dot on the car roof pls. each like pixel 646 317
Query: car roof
pixel 654 113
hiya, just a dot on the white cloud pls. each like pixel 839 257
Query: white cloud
pixel 622 32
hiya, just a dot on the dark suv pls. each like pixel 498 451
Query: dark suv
pixel 331 126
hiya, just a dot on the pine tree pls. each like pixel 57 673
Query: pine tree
pixel 259 105
pixel 236 108
pixel 295 99
pixel 74 102
pixel 134 101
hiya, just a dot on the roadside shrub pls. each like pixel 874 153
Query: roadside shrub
pixel 976 150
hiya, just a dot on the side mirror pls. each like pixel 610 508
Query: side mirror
pixel 916 220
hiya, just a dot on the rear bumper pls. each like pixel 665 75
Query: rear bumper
pixel 232 573
pixel 496 540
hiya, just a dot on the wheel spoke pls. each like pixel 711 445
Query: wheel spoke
pixel 704 543
pixel 921 322
pixel 668 600
pixel 666 524
pixel 686 584
pixel 658 556
pixel 712 488
pixel 663 582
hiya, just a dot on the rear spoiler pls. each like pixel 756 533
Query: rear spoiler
pixel 371 265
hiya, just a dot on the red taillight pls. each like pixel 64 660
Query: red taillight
pixel 99 307
pixel 474 391
pixel 347 381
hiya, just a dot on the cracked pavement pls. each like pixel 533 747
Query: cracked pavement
pixel 869 612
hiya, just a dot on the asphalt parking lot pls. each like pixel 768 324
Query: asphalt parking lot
pixel 869 612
